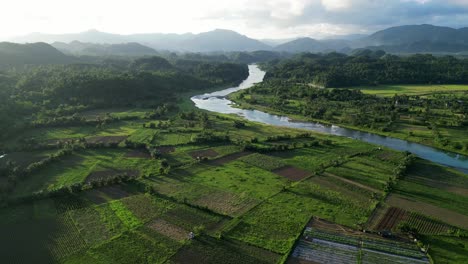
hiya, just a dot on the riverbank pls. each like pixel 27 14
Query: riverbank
pixel 217 102
pixel 239 103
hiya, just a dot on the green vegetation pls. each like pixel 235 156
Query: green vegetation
pixel 382 103
pixel 131 178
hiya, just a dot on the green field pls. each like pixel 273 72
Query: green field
pixel 240 208
pixel 391 90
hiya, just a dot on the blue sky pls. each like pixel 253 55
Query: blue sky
pixel 255 18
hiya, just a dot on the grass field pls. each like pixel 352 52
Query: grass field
pixel 75 168
pixel 391 90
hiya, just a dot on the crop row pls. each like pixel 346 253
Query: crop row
pixel 371 257
pixel 322 252
pixel 426 225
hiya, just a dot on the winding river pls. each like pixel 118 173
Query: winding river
pixel 217 102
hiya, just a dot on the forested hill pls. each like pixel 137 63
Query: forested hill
pixel 18 55
pixel 43 93
pixel 367 67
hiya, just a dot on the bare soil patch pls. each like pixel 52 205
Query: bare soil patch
pixel 103 194
pixel 169 230
pixel 229 158
pixel 109 174
pixel 206 153
pixel 95 196
pixel 445 215
pixel 114 192
pixel 166 149
pixel 138 153
pixel 392 218
pixel 292 173
pixel 106 139
pixel 225 203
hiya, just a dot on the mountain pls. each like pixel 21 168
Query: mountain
pixel 416 33
pixel 18 55
pixel 216 40
pixel 91 49
pixel 276 42
pixel 408 39
pixel 312 45
pixel 222 40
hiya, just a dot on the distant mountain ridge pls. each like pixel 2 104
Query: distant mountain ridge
pixel 18 55
pixel 401 39
pixel 216 40
pixel 91 49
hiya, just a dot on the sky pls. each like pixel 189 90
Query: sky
pixel 271 19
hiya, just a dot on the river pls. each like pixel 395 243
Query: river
pixel 217 102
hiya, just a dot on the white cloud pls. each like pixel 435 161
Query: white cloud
pixel 336 4
pixel 255 18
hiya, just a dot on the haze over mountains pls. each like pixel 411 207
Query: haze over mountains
pixel 64 48
pixel 402 39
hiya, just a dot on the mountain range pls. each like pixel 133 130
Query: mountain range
pixel 402 39
pixel 216 40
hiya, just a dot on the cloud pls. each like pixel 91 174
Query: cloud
pixel 320 17
pixel 255 18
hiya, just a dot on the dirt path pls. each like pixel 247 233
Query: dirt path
pixel 352 182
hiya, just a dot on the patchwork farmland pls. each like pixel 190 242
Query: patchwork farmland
pixel 219 201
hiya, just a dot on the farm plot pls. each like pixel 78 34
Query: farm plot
pixel 371 175
pixel 323 242
pixel 263 161
pixel 372 257
pixel 445 215
pixel 138 153
pixel 275 224
pixel 205 153
pixel 397 217
pixel 414 187
pixel 447 249
pixel 106 194
pixel 425 225
pixel 76 167
pixel 144 136
pixel 137 246
pixel 229 158
pixel 322 251
pixel 146 207
pixel 190 218
pixel 392 218
pixel 97 176
pixel 292 173
pixel 314 158
pixel 345 188
pixel 236 177
pixel 169 230
pixel 67 240
pixel 208 250
pixel 226 203
pixel 173 139
pixel 106 140
pixel 67 203
pixel 97 224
